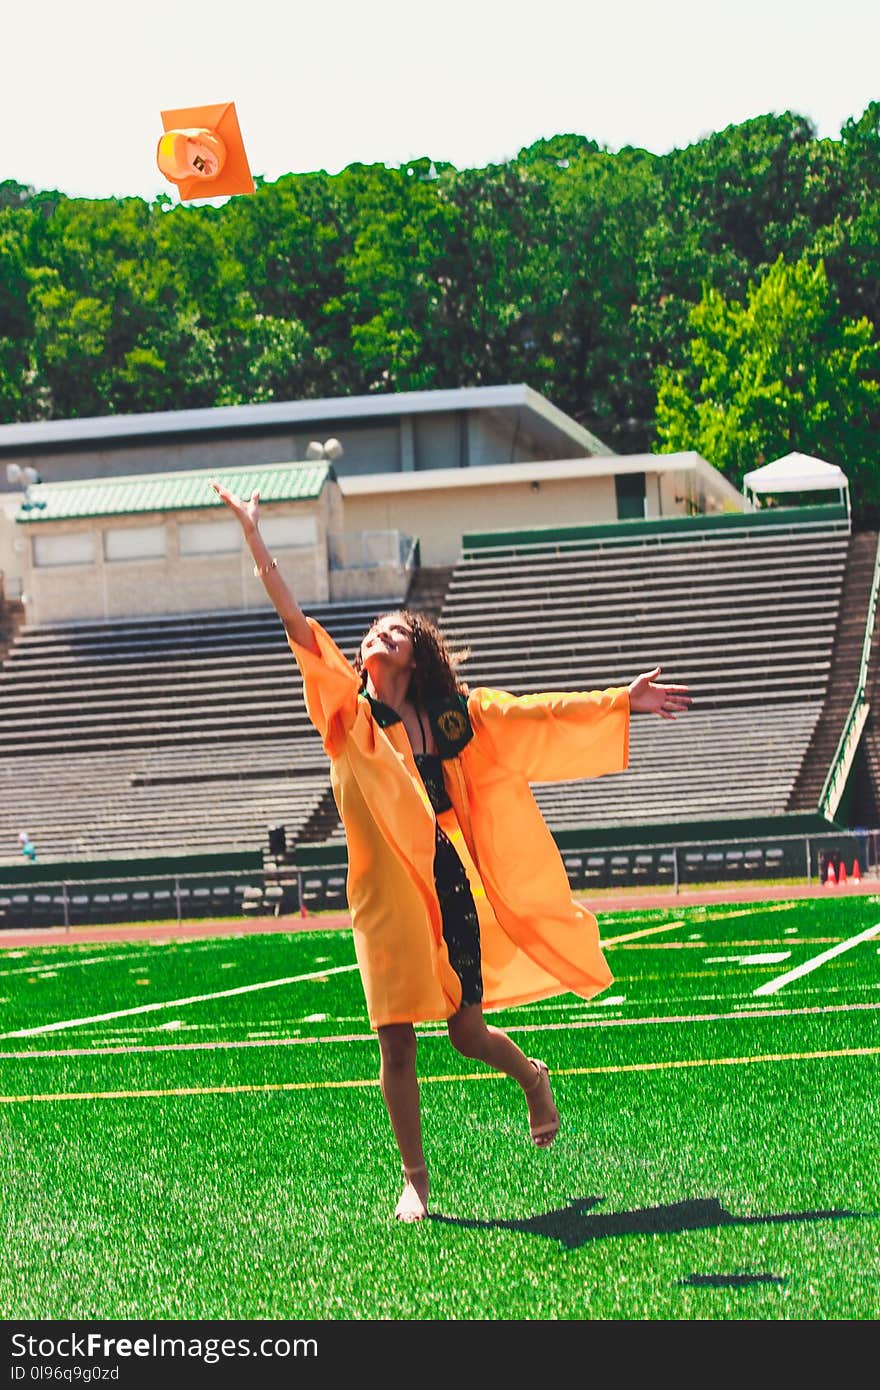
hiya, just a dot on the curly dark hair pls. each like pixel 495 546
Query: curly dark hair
pixel 435 673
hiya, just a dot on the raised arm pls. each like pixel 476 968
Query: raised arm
pixel 286 606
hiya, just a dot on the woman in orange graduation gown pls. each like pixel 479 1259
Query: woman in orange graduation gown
pixel 459 898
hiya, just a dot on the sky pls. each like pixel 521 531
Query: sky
pixel 469 82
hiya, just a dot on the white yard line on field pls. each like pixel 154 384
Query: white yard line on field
pixel 176 1003
pixel 63 965
pixel 130 1049
pixel 771 986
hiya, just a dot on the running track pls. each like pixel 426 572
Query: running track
pixel 599 902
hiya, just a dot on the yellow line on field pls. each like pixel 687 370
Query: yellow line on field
pixel 635 935
pixel 474 1076
pixel 208 1090
pixel 748 911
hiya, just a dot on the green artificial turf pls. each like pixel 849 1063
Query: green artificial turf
pixel 229 1157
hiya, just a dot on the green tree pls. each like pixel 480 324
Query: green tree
pixel 292 236
pixel 603 206
pixel 850 240
pixel 500 283
pixel 16 321
pixel 571 268
pixel 69 339
pixel 728 207
pixel 395 271
pixel 783 371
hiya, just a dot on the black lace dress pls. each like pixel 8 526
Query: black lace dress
pixel 461 926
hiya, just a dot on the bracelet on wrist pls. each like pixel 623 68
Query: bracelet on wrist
pixel 261 572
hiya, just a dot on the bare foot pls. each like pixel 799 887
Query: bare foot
pixel 413 1204
pixel 543 1115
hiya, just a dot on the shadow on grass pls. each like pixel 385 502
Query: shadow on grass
pixel 576 1225
pixel 728 1281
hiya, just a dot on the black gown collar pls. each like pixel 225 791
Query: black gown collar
pixel 449 718
pixel 383 714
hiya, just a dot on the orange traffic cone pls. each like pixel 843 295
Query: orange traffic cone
pixel 856 872
pixel 831 877
pixel 841 874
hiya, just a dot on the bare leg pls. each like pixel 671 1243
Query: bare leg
pixel 473 1037
pixel 400 1089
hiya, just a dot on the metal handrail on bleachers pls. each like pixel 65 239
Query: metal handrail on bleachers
pixel 647 540
pixel 92 900
pixel 841 763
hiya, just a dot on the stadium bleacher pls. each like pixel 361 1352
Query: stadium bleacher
pixel 159 735
pixel 178 735
pixel 745 618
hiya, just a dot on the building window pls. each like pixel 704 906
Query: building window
pixel 135 543
pixel 76 548
pixel 209 537
pixel 630 488
pixel 287 532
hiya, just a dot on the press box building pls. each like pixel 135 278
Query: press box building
pixel 123 520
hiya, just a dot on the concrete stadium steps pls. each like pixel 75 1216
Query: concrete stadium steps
pixel 691 768
pixel 576 606
pixel 427 590
pixel 747 619
pixel 115 806
pixel 179 734
pixel 164 735
pixel 89 686
pixel 776 648
pixel 284 758
pixel 197 724
pixel 649 598
pixel 844 676
pixel 323 821
pixel 779 620
pixel 739 550
pixel 211 712
pixel 631 568
pixel 638 599
pixel 118 633
pixel 79 701
pixel 696 766
pixel 112 649
pixel 743 677
pixel 725 684
pixel 12 616
pixel 598 660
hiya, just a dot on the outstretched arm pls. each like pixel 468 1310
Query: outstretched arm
pixel 289 611
pixel 647 697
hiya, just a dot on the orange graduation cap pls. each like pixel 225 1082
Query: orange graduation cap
pixel 203 153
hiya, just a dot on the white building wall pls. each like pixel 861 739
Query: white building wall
pixel 439 517
pixel 174 582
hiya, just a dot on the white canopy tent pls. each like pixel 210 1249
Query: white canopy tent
pixel 796 473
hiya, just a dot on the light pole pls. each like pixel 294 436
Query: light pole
pixel 27 476
pixel 331 450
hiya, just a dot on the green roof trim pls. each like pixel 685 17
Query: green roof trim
pixel 172 491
